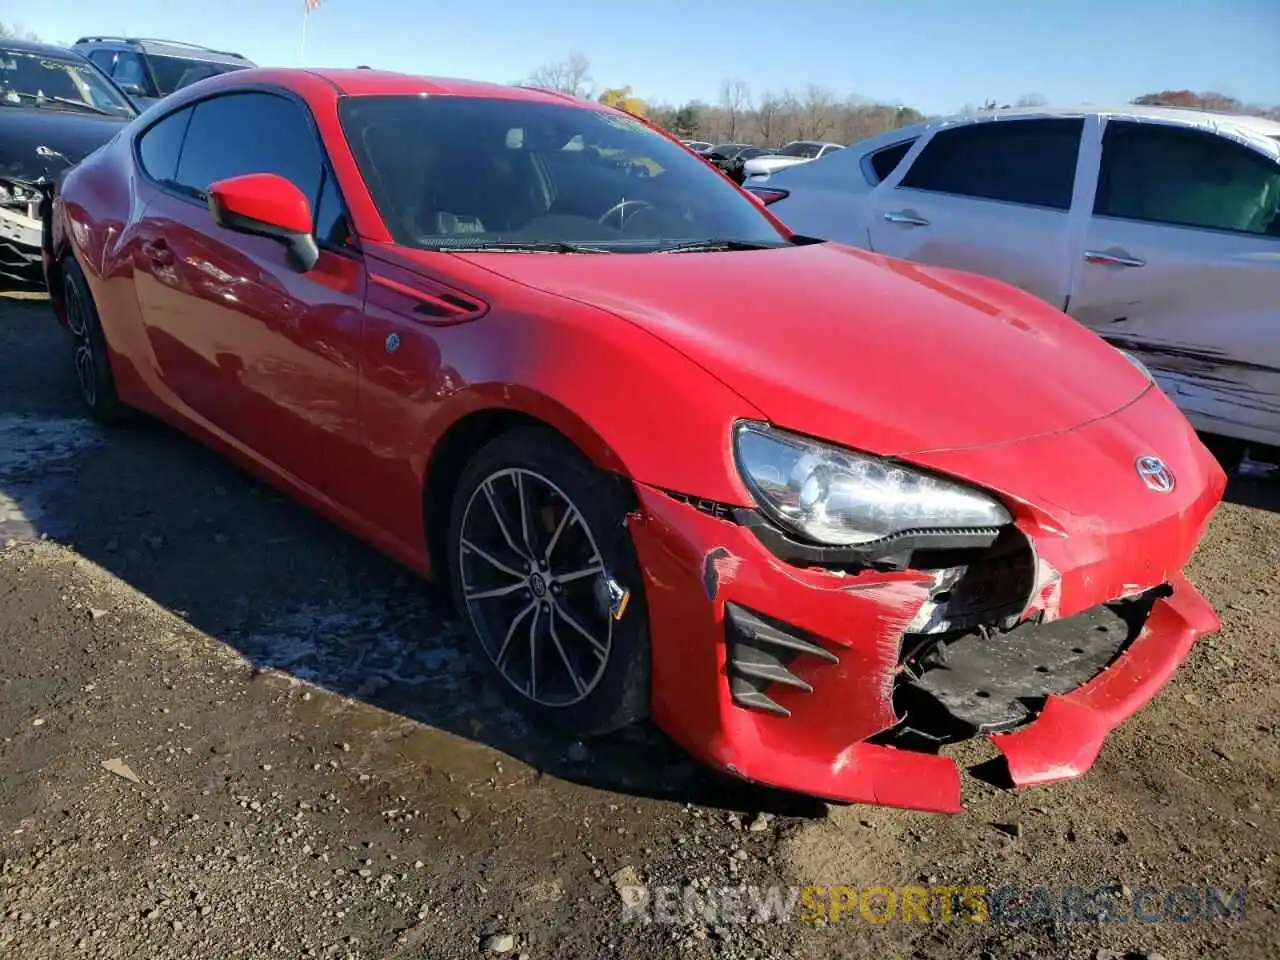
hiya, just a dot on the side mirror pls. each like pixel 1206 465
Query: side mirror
pixel 267 205
pixel 131 87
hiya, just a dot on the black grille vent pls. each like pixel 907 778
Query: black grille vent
pixel 760 653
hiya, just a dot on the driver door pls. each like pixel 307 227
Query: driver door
pixel 248 347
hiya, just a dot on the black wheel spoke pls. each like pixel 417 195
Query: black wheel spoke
pixel 501 656
pixel 493 561
pixel 529 514
pixel 600 649
pixel 502 523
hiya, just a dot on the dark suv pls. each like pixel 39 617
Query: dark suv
pixel 148 70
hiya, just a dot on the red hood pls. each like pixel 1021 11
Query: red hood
pixel 875 353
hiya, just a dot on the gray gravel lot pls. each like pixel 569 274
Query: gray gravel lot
pixel 230 730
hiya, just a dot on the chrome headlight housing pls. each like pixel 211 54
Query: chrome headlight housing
pixel 1142 367
pixel 840 498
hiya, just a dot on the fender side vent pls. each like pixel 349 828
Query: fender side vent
pixel 760 652
pixel 446 305
pixel 721 511
pixel 434 300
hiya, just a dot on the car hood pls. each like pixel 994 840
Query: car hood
pixel 763 164
pixel 879 354
pixel 73 135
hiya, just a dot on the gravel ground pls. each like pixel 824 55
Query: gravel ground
pixel 229 730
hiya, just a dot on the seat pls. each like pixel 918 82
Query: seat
pixel 474 190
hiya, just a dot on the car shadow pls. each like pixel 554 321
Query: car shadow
pixel 1261 494
pixel 283 587
pixel 1254 472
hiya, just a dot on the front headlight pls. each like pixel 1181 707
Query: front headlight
pixel 841 498
pixel 16 192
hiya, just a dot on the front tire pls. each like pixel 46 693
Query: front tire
pixel 92 362
pixel 546 582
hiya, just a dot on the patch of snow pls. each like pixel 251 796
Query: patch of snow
pixel 30 443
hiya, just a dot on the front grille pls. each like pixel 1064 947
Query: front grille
pixel 761 651
pixel 955 685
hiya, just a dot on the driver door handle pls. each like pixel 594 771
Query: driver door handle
pixel 1113 259
pixel 158 252
pixel 906 218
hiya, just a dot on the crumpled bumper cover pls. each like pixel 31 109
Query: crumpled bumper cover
pixel 696 562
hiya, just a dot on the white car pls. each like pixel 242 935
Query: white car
pixel 1157 227
pixel 795 152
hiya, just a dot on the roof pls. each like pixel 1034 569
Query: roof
pixel 33 46
pixel 1187 115
pixel 1258 133
pixel 176 48
pixel 363 82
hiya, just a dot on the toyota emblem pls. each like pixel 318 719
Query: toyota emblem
pixel 1155 474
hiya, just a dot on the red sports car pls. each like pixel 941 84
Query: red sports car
pixel 817 512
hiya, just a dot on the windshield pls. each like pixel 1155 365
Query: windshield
pixel 466 172
pixel 56 83
pixel 800 148
pixel 174 73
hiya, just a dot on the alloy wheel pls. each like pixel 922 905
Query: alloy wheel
pixel 535 587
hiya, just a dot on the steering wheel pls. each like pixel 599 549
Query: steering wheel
pixel 620 209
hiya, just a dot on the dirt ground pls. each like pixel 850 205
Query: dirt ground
pixel 229 730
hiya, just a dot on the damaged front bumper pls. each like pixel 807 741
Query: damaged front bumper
pixel 844 684
pixel 21 230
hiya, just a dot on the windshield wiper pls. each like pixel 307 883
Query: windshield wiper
pixel 523 246
pixel 81 104
pixel 717 243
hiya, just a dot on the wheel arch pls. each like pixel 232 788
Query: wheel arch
pixel 58 250
pixel 487 416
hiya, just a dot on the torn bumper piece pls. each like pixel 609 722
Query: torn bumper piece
pixel 1065 738
pixel 785 675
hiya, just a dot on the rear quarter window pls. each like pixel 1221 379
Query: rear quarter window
pixel 160 146
pixel 882 163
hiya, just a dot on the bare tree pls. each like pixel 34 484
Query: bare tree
pixel 16 31
pixel 1031 100
pixel 781 117
pixel 770 114
pixel 817 112
pixel 735 101
pixel 571 75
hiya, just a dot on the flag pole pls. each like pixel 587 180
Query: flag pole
pixel 302 42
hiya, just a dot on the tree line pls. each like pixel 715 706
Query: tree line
pixel 772 118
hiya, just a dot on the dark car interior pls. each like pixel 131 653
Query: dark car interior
pixel 487 169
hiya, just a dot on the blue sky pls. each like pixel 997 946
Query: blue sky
pixel 936 55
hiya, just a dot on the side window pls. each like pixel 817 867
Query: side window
pixel 161 145
pixel 1173 175
pixel 884 162
pixel 1017 161
pixel 129 69
pixel 241 133
pixel 331 216
pixel 104 60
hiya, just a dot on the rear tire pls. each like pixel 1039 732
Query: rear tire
pixel 92 362
pixel 537 537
